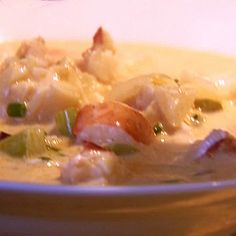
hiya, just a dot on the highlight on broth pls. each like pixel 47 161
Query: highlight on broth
pixel 97 119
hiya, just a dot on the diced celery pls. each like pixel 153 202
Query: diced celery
pixel 28 143
pixel 65 121
pixel 207 105
pixel 121 149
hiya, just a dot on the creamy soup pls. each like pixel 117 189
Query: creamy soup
pixel 106 114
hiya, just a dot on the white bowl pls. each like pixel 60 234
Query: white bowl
pixel 180 209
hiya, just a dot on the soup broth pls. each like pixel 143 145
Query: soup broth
pixel 144 114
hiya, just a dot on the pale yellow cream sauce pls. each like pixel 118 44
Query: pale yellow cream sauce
pixel 161 158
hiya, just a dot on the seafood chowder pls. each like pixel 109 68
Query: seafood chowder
pixel 106 114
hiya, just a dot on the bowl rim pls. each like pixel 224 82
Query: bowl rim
pixel 114 191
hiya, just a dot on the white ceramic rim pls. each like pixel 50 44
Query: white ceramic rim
pixel 143 190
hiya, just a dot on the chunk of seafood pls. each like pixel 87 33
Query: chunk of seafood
pixel 159 97
pixel 44 87
pixel 100 60
pixel 102 40
pixel 204 87
pixel 112 122
pixel 89 165
pixel 36 49
pixel 218 140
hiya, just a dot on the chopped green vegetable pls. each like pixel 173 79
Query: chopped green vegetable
pixel 121 149
pixel 16 109
pixel 65 121
pixel 158 128
pixel 27 143
pixel 207 105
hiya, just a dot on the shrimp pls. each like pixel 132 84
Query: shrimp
pixel 112 122
pixel 37 50
pixel 89 165
pixel 102 40
pixel 159 97
pixel 100 60
pixel 218 140
pixel 35 47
